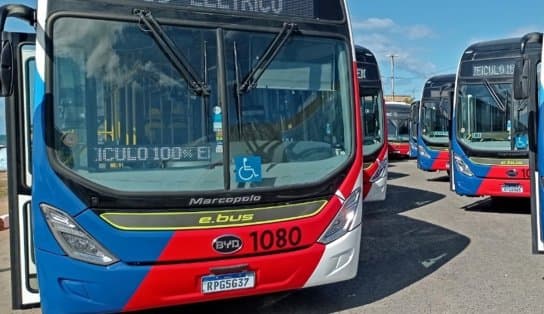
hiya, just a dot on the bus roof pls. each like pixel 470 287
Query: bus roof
pixel 434 84
pixel 364 55
pixel 368 71
pixel 509 47
pixel 397 106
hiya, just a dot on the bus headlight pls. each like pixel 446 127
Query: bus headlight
pixel 75 241
pixel 462 166
pixel 348 217
pixel 423 152
pixel 381 172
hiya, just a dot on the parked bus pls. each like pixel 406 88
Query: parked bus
pixel 414 120
pixel 489 140
pixel 529 87
pixel 434 124
pixel 374 141
pixel 398 128
pixel 182 151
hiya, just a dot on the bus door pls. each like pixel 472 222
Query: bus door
pixel 529 86
pixel 17 57
pixel 537 156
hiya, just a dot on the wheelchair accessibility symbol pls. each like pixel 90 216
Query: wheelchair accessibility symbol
pixel 248 169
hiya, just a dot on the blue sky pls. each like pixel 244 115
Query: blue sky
pixel 428 37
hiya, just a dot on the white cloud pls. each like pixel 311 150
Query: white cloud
pixel 374 23
pixel 419 32
pixel 384 42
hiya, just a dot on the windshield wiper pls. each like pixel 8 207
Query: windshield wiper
pixel 264 61
pixel 495 96
pixel 169 49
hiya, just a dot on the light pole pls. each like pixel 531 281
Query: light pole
pixel 393 56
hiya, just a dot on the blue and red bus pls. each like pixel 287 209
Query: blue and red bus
pixel 374 139
pixel 489 140
pixel 398 128
pixel 529 87
pixel 170 152
pixel 414 121
pixel 434 123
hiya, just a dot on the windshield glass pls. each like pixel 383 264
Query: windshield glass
pixel 398 125
pixel 489 119
pixel 372 106
pixel 125 118
pixel 434 121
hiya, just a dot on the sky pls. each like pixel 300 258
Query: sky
pixel 427 37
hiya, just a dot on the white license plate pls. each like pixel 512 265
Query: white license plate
pixel 512 188
pixel 228 282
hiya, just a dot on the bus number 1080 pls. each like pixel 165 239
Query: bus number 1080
pixel 281 238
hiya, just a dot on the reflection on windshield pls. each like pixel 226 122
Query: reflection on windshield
pixel 398 130
pixel 373 123
pixel 489 119
pixel 125 119
pixel 434 121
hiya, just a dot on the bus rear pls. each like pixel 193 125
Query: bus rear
pixel 398 128
pixel 414 121
pixel 183 151
pixel 374 140
pixel 490 128
pixel 434 124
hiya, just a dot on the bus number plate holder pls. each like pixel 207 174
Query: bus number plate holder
pixel 228 282
pixel 512 188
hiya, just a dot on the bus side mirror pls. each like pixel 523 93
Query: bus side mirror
pixel 6 69
pixel 521 79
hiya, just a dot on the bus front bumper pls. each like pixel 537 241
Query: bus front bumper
pixel 70 286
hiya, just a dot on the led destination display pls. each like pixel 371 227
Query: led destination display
pixel 299 8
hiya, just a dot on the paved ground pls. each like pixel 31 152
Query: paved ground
pixel 425 250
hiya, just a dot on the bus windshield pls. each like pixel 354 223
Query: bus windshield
pixel 125 118
pixel 372 122
pixel 398 125
pixel 434 121
pixel 489 119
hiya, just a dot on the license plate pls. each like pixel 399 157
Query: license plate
pixel 512 188
pixel 228 282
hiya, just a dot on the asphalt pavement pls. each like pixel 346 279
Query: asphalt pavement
pixel 424 250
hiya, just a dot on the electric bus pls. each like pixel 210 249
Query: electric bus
pixel 489 140
pixel 374 139
pixel 171 152
pixel 434 124
pixel 529 86
pixel 398 128
pixel 414 120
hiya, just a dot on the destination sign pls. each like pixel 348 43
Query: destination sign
pixel 367 71
pixel 122 154
pixel 492 68
pixel 298 8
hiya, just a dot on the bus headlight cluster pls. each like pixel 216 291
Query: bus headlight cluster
pixel 75 242
pixel 423 152
pixel 381 172
pixel 462 166
pixel 347 219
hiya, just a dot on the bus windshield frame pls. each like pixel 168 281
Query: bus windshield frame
pixel 506 130
pixel 286 153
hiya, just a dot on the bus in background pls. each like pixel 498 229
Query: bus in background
pixel 414 120
pixel 529 87
pixel 434 124
pixel 489 140
pixel 187 150
pixel 374 140
pixel 398 128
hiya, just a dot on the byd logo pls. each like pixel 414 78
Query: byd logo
pixel 227 244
